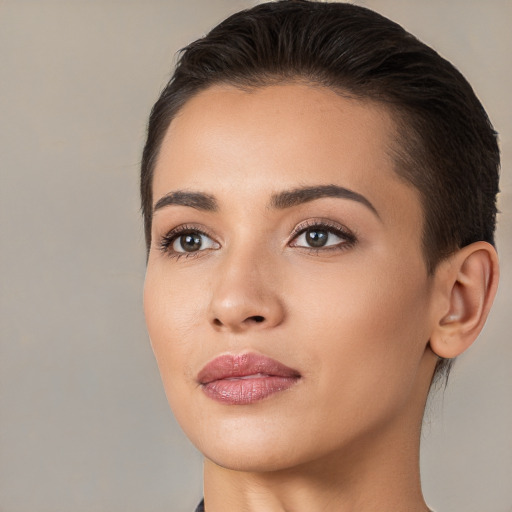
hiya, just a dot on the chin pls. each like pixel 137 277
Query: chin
pixel 241 442
pixel 256 459
pixel 261 447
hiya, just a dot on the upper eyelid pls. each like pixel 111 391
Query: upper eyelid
pixel 184 228
pixel 298 229
pixel 323 223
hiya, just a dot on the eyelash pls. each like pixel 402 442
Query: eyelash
pixel 349 239
pixel 168 240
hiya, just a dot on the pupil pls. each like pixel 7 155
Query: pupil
pixel 317 237
pixel 190 242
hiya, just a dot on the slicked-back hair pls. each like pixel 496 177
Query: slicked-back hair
pixel 445 145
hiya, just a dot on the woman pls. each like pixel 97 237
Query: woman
pixel 318 190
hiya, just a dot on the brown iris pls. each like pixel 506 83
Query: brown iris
pixel 190 242
pixel 316 237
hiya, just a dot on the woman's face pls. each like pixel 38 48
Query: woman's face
pixel 286 296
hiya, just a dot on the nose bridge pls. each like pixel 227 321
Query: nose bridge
pixel 246 293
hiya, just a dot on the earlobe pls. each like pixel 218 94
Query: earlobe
pixel 467 285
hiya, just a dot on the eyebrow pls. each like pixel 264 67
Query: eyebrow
pixel 196 200
pixel 280 200
pixel 288 199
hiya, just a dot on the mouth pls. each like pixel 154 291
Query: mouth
pixel 245 378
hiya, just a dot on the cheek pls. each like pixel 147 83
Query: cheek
pixel 174 311
pixel 366 334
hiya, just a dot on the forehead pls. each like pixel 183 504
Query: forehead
pixel 271 138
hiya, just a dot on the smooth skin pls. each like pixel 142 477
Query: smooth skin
pixel 359 317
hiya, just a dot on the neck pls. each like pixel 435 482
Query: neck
pixel 374 475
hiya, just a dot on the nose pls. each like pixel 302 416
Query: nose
pixel 246 294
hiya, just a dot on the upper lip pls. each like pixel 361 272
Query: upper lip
pixel 242 365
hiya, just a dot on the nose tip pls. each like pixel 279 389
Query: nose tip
pixel 240 307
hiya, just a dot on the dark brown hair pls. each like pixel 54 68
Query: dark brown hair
pixel 446 146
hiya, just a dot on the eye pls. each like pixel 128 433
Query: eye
pixel 185 241
pixel 192 242
pixel 318 236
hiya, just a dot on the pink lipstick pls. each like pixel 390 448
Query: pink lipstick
pixel 245 378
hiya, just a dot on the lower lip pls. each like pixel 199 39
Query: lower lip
pixel 244 391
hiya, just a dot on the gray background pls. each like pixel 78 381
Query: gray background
pixel 84 424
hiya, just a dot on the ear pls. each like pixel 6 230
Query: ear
pixel 466 284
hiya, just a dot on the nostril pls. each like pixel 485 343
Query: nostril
pixel 254 319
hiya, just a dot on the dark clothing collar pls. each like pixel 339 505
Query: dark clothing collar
pixel 200 507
